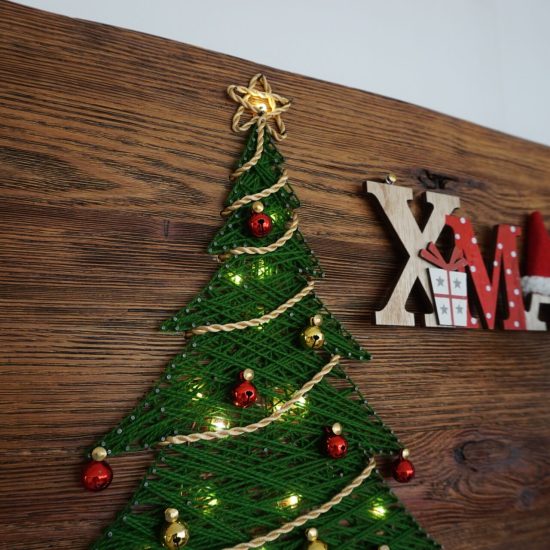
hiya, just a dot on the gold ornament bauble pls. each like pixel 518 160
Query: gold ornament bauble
pixel 312 337
pixel 99 454
pixel 313 542
pixel 248 375
pixel 175 534
pixel 258 207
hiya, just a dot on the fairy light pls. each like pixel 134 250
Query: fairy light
pixel 208 499
pixel 378 510
pixel 299 407
pixel 204 498
pixel 262 101
pixel 196 388
pixel 262 269
pixel 219 423
pixel 235 278
pixel 290 502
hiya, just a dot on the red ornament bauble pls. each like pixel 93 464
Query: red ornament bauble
pixel 402 470
pixel 336 446
pixel 260 224
pixel 244 395
pixel 97 475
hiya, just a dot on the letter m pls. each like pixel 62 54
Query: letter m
pixel 505 268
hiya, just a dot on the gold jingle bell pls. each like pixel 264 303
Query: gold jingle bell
pixel 312 337
pixel 313 542
pixel 175 534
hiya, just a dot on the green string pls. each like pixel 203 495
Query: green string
pixel 232 490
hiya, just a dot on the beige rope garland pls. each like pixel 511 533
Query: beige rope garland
pixel 270 248
pixel 247 199
pixel 240 430
pixel 259 150
pixel 314 514
pixel 259 320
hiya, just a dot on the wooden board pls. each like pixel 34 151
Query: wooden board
pixel 115 151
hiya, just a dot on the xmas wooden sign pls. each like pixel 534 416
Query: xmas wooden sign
pixel 463 291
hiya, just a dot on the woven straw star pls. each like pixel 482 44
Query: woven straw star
pixel 263 105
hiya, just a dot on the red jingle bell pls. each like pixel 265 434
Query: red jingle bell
pixel 402 468
pixel 97 474
pixel 245 394
pixel 259 223
pixel 336 444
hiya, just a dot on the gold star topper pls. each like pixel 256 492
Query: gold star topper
pixel 258 100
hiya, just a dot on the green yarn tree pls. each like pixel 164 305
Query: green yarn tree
pixel 267 484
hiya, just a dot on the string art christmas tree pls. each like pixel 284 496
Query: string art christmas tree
pixel 260 438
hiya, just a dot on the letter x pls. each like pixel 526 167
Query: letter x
pixel 394 201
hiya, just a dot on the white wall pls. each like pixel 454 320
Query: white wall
pixel 487 61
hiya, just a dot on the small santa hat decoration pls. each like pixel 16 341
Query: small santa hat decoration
pixel 537 276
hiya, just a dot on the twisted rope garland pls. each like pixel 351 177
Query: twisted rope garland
pixel 259 320
pixel 262 122
pixel 314 514
pixel 273 246
pixel 240 430
pixel 247 199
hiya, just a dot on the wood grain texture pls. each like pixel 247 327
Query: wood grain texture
pixel 115 151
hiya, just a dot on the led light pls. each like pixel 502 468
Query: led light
pixel 262 101
pixel 197 388
pixel 262 269
pixel 290 502
pixel 298 408
pixel 219 423
pixel 378 511
pixel 235 278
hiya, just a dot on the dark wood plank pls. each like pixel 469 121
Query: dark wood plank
pixel 115 150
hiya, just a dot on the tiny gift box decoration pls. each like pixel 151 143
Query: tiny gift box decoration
pixel 449 286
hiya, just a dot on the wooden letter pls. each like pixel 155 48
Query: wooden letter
pixel 394 202
pixel 505 260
